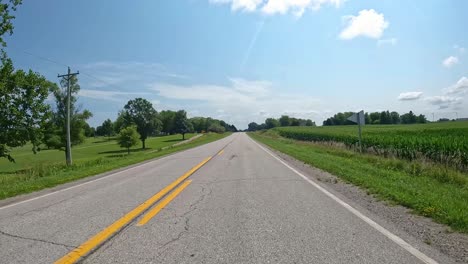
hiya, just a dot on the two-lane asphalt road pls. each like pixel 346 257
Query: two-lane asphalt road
pixel 244 205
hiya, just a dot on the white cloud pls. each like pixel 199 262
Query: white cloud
pixel 460 87
pixel 390 41
pixel 244 5
pixel 443 101
pixel 367 23
pixel 450 61
pixel 116 96
pixel 409 96
pixel 240 101
pixel 271 7
pixel 297 7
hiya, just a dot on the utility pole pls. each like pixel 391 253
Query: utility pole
pixel 68 154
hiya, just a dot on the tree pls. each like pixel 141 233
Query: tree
pixel 182 124
pixel 119 123
pixel 309 123
pixel 284 121
pixel 271 123
pixel 107 128
pixel 395 117
pixel 421 119
pixel 77 117
pixel 89 131
pixel 409 118
pixel 141 113
pixel 23 110
pixel 128 137
pixel 252 126
pixel 216 128
pixel 167 118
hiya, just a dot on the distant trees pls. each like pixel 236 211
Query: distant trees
pixel 167 118
pixel 208 124
pixel 375 118
pixel 284 120
pixel 181 124
pixel 106 129
pixel 271 123
pixel 128 137
pixel 140 112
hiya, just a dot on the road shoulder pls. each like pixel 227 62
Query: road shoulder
pixel 433 235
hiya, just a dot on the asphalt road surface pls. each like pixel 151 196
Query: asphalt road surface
pixel 244 205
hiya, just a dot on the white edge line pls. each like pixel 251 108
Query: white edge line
pixel 421 256
pixel 85 183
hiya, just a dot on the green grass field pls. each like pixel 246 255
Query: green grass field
pixel 430 189
pixel 100 147
pixel 47 168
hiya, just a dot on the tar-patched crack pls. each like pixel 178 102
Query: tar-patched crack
pixel 186 216
pixel 36 240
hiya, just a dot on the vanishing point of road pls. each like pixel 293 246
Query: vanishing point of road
pixel 230 201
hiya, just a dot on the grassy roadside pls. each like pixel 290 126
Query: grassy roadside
pixel 52 174
pixel 410 184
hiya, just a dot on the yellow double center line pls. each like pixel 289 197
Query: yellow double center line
pixel 105 234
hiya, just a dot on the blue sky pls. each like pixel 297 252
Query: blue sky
pixel 245 60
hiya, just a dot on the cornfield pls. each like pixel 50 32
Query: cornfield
pixel 445 143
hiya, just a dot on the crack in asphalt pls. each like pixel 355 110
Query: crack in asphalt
pixel 36 240
pixel 193 207
pixel 44 207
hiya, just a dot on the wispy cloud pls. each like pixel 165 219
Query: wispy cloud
pixel 252 43
pixel 410 96
pixel 240 101
pixel 449 61
pixel 271 7
pixel 460 87
pixel 444 102
pixel 368 23
pixel 116 74
pixel 116 96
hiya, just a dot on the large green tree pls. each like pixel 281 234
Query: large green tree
pixel 182 124
pixel 141 113
pixel 23 111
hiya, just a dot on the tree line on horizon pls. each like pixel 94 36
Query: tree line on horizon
pixel 283 121
pixel 377 118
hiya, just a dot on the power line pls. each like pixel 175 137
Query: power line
pixel 45 59
pixel 84 73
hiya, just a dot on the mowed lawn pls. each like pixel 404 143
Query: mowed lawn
pixel 99 147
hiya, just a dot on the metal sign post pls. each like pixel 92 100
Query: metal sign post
pixel 359 119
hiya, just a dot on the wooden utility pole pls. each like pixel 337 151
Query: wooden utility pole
pixel 67 76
